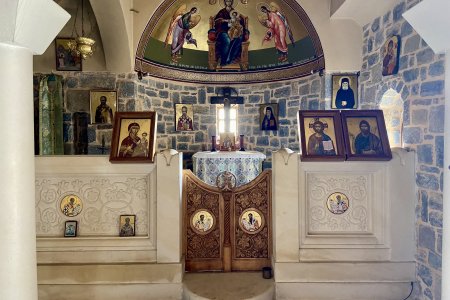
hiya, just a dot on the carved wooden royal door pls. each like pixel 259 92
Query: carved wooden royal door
pixel 252 240
pixel 203 225
pixel 227 228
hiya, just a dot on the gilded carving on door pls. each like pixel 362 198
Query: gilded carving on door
pixel 202 245
pixel 227 230
pixel 253 241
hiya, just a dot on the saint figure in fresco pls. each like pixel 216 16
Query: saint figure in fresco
pixel 230 32
pixel 278 28
pixel 236 29
pixel 179 30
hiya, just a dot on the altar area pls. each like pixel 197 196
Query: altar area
pixel 245 165
pixel 366 252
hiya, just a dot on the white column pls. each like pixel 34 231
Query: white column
pixel 17 200
pixel 169 177
pixel 285 203
pixel 446 220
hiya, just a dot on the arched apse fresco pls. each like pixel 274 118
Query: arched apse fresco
pixel 226 41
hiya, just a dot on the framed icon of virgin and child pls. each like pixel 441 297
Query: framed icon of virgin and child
pixel 134 136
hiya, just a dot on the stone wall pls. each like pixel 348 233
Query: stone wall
pixel 160 96
pixel 290 96
pixel 420 82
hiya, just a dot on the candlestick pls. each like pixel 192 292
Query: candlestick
pixel 241 142
pixel 213 143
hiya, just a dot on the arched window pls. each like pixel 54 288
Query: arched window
pixel 392 106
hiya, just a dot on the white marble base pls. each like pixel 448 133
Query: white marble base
pixel 106 291
pixel 321 272
pixel 102 265
pixel 127 281
pixel 342 291
pixel 368 252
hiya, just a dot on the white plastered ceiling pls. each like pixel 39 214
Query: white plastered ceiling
pixel 361 11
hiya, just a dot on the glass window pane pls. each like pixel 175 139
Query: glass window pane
pixel 233 127
pixel 221 120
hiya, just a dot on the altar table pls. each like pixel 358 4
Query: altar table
pixel 245 165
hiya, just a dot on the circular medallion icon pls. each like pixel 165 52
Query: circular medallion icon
pixel 338 203
pixel 251 220
pixel 71 205
pixel 202 221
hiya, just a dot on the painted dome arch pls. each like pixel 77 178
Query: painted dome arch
pixel 226 41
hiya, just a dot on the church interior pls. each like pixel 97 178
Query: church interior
pixel 224 149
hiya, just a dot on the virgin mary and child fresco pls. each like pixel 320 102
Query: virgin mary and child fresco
pixel 239 37
pixel 229 33
pixel 228 36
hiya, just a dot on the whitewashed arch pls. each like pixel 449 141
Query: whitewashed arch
pixel 392 105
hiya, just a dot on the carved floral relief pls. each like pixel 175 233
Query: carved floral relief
pixel 103 199
pixel 338 203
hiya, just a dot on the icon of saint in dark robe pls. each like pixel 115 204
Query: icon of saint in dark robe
pixel 345 98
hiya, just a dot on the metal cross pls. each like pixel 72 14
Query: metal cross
pixel 226 99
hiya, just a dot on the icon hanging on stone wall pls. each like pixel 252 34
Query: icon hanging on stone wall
pixel 202 221
pixel 71 205
pixel 391 55
pixel 251 220
pixel 338 203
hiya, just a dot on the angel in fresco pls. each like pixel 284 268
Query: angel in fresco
pixel 278 28
pixel 179 30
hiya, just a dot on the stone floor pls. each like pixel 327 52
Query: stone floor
pixel 227 286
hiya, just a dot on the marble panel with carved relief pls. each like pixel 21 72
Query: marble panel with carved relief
pixel 338 204
pixel 104 198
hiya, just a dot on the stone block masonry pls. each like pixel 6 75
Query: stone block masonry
pixel 160 96
pixel 420 83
